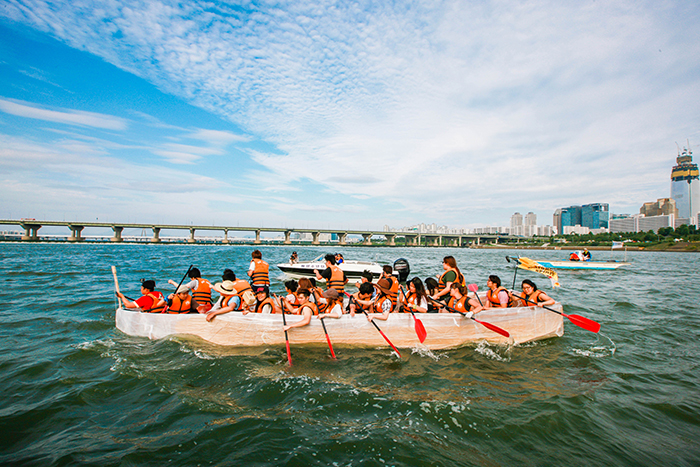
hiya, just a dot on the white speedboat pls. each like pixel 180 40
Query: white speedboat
pixel 353 269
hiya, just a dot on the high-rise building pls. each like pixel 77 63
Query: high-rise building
pixel 530 218
pixel 662 207
pixel 595 216
pixel 685 185
pixel 569 216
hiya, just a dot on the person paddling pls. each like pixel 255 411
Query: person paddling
pixel 229 300
pixel 497 296
pixel 460 301
pixel 306 309
pixel 201 289
pixel 362 299
pixel 181 302
pixel 264 303
pixel 330 305
pixel 383 303
pixel 151 301
pixel 416 298
pixel 533 297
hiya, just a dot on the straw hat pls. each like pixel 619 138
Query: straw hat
pixel 183 289
pixel 225 288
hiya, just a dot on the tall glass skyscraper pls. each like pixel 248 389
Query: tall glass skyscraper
pixel 685 185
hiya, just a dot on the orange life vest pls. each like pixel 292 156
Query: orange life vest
pixel 227 298
pixel 532 299
pixel 336 281
pixel 260 274
pixel 240 286
pixel 156 297
pixel 202 294
pixel 411 299
pixel 378 305
pixel 461 305
pixel 310 306
pixel 393 293
pixel 492 296
pixel 267 301
pixel 442 284
pixel 180 306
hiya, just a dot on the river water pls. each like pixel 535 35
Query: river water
pixel 78 391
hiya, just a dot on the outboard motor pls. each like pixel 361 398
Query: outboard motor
pixel 402 269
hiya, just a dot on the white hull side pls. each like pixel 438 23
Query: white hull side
pixel 444 330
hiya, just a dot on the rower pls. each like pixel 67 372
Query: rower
pixel 334 276
pixel 388 274
pixel 497 296
pixel 533 297
pixel 383 303
pixel 330 305
pixel 151 301
pixel 264 303
pixel 181 302
pixel 460 301
pixel 258 270
pixel 362 299
pixel 229 300
pixel 416 298
pixel 306 309
pixel 201 289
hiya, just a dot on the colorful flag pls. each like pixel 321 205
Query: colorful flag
pixel 532 265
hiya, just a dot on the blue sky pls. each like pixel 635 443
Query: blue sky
pixel 341 114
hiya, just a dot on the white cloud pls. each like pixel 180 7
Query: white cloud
pixel 72 117
pixel 441 106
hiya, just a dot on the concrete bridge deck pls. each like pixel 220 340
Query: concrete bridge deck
pixel 31 228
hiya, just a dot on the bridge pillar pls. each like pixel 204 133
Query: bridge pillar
pixel 496 241
pixel 75 231
pixel 257 237
pixel 390 239
pixel 342 238
pixel 117 234
pixel 225 240
pixel 411 239
pixel 367 239
pixel 478 241
pixel 315 235
pixel 287 237
pixel 31 232
pixel 156 235
pixel 191 239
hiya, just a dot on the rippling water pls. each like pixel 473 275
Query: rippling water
pixel 77 391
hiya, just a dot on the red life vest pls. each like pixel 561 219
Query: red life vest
pixel 202 294
pixel 180 306
pixel 260 274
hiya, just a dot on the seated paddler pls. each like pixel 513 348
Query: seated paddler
pixel 182 302
pixel 228 301
pixel 306 309
pixel 382 304
pixel 533 297
pixel 200 288
pixel 151 301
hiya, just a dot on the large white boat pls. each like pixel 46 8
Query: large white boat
pixel 443 330
pixel 353 269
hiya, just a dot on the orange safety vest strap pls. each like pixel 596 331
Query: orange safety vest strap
pixel 203 292
pixel 180 306
pixel 336 281
pixel 154 308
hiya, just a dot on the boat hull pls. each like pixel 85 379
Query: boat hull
pixel 353 269
pixel 595 265
pixel 444 330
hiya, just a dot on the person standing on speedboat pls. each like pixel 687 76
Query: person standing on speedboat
pixel 259 271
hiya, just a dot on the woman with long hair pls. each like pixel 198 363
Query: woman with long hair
pixel 451 275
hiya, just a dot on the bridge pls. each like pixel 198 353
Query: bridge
pixel 31 233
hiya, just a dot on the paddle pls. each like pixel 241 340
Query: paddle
pixel 492 327
pixel 515 273
pixel 183 278
pixel 352 299
pixel 474 288
pixel 420 329
pixel 116 285
pixel 286 337
pixel 580 321
pixel 328 338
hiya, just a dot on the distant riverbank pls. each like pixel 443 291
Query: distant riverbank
pixel 665 246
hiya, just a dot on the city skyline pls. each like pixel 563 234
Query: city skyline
pixel 351 116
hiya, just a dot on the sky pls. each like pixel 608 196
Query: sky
pixel 347 114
